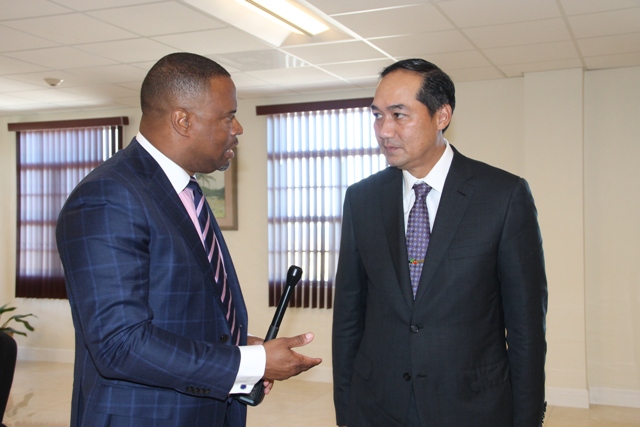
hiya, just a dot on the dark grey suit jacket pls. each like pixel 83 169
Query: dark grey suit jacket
pixel 483 275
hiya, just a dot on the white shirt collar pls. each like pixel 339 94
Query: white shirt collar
pixel 177 176
pixel 435 178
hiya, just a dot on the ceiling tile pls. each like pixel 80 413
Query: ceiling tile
pixel 51 94
pixel 160 18
pixel 580 7
pixel 60 58
pixel 100 4
pixel 606 23
pixel 37 78
pixel 456 60
pixel 129 50
pixel 365 82
pixel 225 40
pixel 242 80
pixel 396 21
pixel 624 43
pixel 14 40
pixel 258 60
pixel 426 43
pixel 472 74
pixel 119 73
pixel 360 69
pixel 332 7
pixel 13 66
pixel 612 61
pixel 106 91
pixel 12 9
pixel 517 70
pixel 11 103
pixel 474 13
pixel 544 52
pixel 292 76
pixel 72 28
pixel 13 86
pixel 542 31
pixel 335 52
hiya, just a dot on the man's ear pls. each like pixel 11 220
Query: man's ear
pixel 444 116
pixel 180 121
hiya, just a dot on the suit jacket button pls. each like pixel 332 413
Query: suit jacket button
pixel 414 328
pixel 406 376
pixel 224 338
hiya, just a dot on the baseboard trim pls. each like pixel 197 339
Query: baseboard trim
pixel 571 397
pixel 615 397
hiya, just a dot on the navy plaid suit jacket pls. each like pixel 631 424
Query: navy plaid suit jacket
pixel 152 346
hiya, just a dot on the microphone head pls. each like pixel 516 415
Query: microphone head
pixel 293 275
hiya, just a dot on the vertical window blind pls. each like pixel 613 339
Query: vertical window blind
pixel 51 162
pixel 313 156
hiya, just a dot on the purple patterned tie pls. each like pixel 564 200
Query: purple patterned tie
pixel 212 247
pixel 418 233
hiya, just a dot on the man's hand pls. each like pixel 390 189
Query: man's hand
pixel 282 362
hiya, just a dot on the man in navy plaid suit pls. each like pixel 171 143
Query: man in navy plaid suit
pixel 153 343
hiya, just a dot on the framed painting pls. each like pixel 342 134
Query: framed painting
pixel 220 190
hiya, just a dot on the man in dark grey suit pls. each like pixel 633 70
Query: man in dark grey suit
pixel 157 340
pixel 465 345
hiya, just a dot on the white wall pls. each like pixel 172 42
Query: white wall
pixel 572 135
pixel 612 214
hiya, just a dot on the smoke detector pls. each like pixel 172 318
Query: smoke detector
pixel 53 82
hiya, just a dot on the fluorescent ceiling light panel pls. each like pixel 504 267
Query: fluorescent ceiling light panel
pixel 248 18
pixel 291 15
pixel 238 14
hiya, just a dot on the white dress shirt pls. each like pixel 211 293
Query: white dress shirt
pixel 435 179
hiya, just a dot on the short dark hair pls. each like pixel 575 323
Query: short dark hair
pixel 177 76
pixel 437 87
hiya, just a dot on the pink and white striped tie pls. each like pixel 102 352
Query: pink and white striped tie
pixel 214 254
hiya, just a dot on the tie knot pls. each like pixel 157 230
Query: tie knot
pixel 421 189
pixel 194 186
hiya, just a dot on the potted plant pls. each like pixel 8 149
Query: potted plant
pixel 20 318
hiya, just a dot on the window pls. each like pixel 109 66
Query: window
pixel 313 156
pixel 52 159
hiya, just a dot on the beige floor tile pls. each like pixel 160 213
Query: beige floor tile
pixel 41 397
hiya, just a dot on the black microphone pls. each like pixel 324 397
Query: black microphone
pixel 293 277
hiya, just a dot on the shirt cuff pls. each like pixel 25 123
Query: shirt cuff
pixel 253 361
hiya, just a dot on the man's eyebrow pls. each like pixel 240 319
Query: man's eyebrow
pixel 390 107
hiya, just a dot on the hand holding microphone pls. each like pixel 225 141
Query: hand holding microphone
pixel 282 361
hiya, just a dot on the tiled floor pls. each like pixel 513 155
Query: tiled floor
pixel 40 397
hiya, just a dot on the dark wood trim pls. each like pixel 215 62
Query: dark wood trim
pixel 66 124
pixel 263 110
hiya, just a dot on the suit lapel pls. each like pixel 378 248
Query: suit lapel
pixel 393 218
pixel 453 204
pixel 161 190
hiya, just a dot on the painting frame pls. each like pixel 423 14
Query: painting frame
pixel 220 189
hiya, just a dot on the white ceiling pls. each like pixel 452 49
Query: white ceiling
pixel 102 49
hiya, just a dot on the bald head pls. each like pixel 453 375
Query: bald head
pixel 176 79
